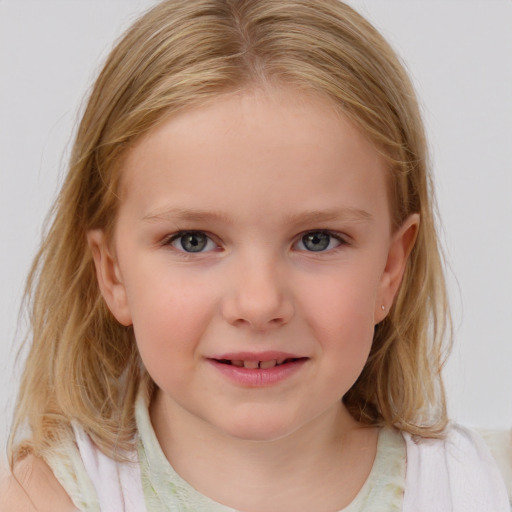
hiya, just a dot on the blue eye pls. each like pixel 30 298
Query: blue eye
pixel 192 241
pixel 318 241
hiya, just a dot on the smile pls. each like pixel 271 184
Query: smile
pixel 258 370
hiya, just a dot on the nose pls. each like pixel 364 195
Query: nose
pixel 258 296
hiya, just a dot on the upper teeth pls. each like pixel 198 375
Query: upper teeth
pixel 257 364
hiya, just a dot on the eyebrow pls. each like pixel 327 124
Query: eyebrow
pixel 186 214
pixel 335 214
pixel 308 217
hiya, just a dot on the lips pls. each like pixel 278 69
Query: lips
pixel 258 369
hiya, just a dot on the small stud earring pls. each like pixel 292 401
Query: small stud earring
pixel 383 308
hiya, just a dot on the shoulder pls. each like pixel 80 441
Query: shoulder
pixel 33 487
pixel 499 443
pixel 458 469
pixel 460 446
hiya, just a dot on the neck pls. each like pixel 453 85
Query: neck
pixel 320 466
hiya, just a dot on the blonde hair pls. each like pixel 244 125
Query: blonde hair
pixel 82 363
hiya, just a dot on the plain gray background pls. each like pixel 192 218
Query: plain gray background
pixel 459 53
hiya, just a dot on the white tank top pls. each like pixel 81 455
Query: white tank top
pixel 457 474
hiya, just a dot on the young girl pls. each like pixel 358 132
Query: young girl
pixel 240 303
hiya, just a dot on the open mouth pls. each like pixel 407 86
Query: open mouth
pixel 262 365
pixel 253 370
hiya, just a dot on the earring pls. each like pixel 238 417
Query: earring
pixel 383 307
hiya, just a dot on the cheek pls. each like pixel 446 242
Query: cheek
pixel 341 315
pixel 343 301
pixel 169 318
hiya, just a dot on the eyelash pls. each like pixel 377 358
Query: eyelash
pixel 180 234
pixel 342 241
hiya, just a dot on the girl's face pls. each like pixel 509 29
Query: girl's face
pixel 253 254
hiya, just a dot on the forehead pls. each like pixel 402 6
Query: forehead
pixel 280 149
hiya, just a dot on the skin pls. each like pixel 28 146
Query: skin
pixel 33 488
pixel 255 172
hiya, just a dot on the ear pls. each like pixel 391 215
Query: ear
pixel 400 247
pixel 109 276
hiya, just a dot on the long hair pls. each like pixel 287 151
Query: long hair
pixel 82 364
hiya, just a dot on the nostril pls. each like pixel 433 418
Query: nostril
pixel 258 316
